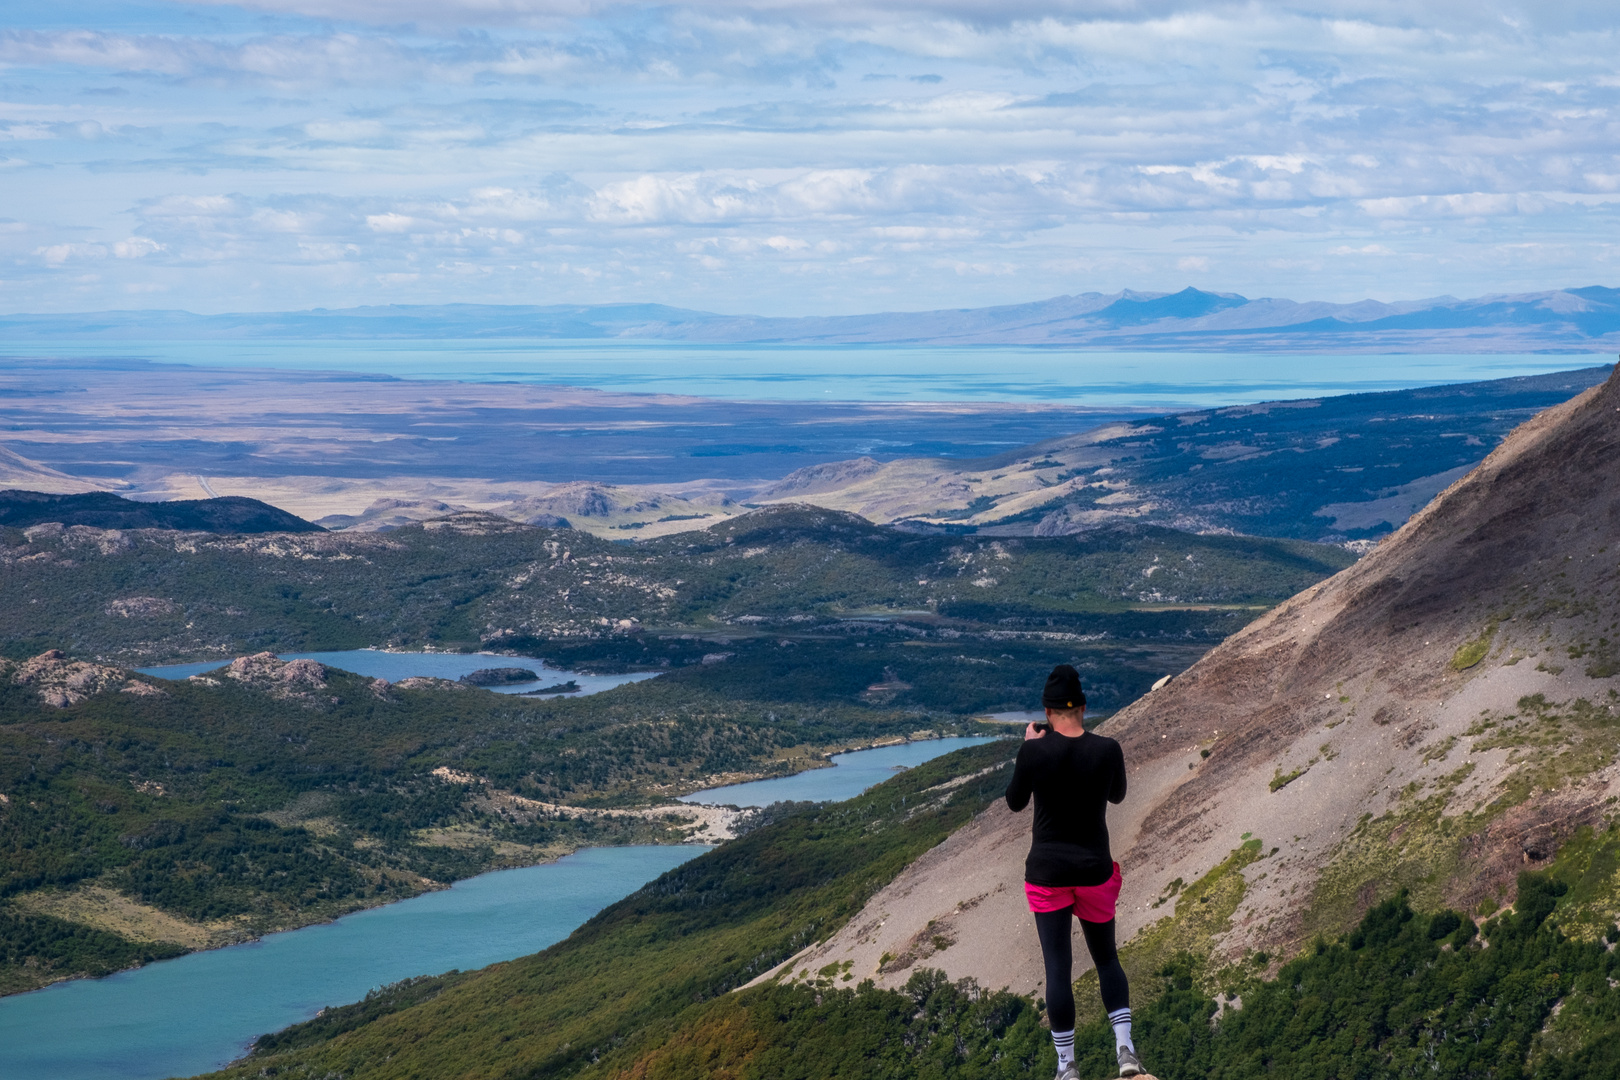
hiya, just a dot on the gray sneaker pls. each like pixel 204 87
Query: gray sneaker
pixel 1071 1073
pixel 1128 1065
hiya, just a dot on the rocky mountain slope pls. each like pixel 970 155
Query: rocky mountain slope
pixel 1436 718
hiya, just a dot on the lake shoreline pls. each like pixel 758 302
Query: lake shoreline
pixel 710 826
pixel 120 1027
pixel 196 1012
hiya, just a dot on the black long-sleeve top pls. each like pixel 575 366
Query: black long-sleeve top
pixel 1072 780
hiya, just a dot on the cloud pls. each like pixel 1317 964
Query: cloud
pixel 1451 13
pixel 60 254
pixel 586 42
pixel 389 222
pixel 807 156
pixel 136 247
pixel 1472 204
pixel 322 58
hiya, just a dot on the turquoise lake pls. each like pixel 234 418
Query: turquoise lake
pixel 195 1013
pixel 394 666
pixel 1049 374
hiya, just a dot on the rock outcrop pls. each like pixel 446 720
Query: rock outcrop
pixel 281 678
pixel 429 682
pixel 142 607
pixel 61 682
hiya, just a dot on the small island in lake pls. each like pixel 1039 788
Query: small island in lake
pixel 501 676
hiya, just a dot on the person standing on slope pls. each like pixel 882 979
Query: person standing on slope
pixel 1073 774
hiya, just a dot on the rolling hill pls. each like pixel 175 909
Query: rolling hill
pixel 817 579
pixel 104 510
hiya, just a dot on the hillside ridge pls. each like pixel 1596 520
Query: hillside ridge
pixel 1437 717
pixel 21 509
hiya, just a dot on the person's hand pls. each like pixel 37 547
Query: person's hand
pixel 1033 732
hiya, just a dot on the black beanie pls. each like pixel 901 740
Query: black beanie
pixel 1063 689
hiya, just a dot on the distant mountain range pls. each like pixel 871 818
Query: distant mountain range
pixel 1562 320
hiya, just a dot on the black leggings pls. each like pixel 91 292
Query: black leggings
pixel 1055 929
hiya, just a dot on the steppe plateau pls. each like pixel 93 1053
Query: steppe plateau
pixel 355 451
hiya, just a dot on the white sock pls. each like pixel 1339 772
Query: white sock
pixel 1121 1019
pixel 1063 1042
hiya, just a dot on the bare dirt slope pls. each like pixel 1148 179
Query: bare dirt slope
pixel 1438 717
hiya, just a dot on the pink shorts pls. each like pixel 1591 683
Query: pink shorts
pixel 1093 903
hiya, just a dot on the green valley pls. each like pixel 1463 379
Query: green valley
pixel 142 817
pixel 151 817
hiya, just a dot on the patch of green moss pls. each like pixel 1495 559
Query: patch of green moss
pixel 1605 661
pixel 1439 751
pixel 1472 652
pixel 1282 779
pixel 1203 913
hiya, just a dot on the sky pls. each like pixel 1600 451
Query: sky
pixel 789 158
